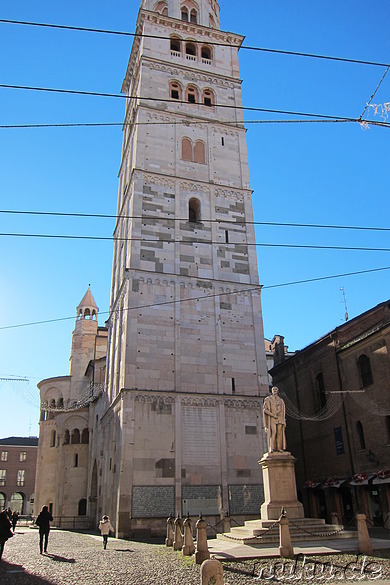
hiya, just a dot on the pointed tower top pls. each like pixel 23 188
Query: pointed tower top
pixel 87 308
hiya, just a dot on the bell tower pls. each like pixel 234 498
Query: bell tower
pixel 204 12
pixel 186 366
pixel 83 343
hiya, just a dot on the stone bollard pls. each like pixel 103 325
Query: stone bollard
pixel 202 550
pixel 178 540
pixel 334 518
pixel 170 534
pixel 211 572
pixel 188 546
pixel 286 550
pixel 364 542
pixel 226 521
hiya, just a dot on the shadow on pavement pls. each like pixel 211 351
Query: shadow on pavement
pixel 12 574
pixel 59 559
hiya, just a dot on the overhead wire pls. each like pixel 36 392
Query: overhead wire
pixel 159 37
pixel 375 92
pixel 207 296
pixel 204 220
pixel 170 100
pixel 194 241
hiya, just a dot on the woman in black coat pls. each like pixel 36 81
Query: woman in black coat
pixel 43 521
pixel 5 530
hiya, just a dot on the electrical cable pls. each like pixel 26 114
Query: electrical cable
pixel 152 99
pixel 181 219
pixel 246 47
pixel 192 242
pixel 208 296
pixel 181 123
pixel 373 95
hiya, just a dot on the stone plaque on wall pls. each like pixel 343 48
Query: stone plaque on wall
pixel 200 499
pixel 200 435
pixel 245 499
pixel 153 501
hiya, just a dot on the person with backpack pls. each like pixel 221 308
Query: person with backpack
pixel 43 522
pixel 105 528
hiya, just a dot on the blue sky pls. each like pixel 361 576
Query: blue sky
pixel 334 174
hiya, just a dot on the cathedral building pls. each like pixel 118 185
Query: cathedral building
pixel 176 425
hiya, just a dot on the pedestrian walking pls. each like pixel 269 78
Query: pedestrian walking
pixel 14 520
pixel 43 521
pixel 5 530
pixel 105 528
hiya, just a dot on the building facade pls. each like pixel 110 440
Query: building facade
pixel 18 458
pixel 178 427
pixel 338 399
pixel 67 405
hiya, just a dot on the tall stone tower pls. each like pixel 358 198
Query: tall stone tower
pixel 67 415
pixel 186 365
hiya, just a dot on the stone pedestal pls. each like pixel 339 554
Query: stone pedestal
pixel 279 486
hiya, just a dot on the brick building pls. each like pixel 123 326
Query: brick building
pixel 338 401
pixel 18 458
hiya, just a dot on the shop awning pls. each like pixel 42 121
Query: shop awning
pixel 382 476
pixel 333 482
pixel 311 484
pixel 378 481
pixel 361 479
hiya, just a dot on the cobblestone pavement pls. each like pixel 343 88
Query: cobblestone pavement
pixel 79 559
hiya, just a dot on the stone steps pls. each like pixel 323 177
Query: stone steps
pixel 267 532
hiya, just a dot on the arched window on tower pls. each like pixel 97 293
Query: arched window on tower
pixel 194 16
pixel 208 98
pixel 360 433
pixel 194 210
pixel 186 149
pixel 85 436
pixel 66 440
pixel 175 90
pixel 199 152
pixel 365 372
pixel 184 14
pixel 191 95
pixel 87 314
pixel 211 21
pixel 82 507
pixel 175 46
pixel 206 55
pixel 162 8
pixel 191 51
pixel 53 439
pixel 75 438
